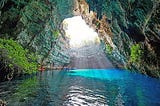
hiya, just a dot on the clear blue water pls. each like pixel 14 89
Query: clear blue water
pixel 83 87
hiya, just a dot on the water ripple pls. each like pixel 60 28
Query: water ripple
pixel 79 96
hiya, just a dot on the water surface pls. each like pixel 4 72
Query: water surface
pixel 83 87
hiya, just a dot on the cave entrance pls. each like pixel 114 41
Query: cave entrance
pixel 79 33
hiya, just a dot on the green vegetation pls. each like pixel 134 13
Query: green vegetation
pixel 16 58
pixel 35 25
pixel 108 49
pixel 136 53
pixel 56 33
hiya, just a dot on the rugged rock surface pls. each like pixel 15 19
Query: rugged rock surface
pixel 35 24
pixel 123 25
pixel 128 29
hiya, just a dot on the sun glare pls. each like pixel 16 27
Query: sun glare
pixel 79 33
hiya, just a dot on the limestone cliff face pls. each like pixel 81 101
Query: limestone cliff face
pixel 36 26
pixel 130 27
pixel 31 35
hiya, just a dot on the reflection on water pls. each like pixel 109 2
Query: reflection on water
pixel 125 87
pixel 25 92
pixel 87 87
pixel 80 96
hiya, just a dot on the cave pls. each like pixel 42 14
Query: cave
pixel 79 52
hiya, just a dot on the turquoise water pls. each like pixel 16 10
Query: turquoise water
pixel 83 87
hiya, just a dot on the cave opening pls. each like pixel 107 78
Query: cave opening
pixel 79 33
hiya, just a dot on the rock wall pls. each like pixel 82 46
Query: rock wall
pixel 36 26
pixel 130 30
pixel 32 28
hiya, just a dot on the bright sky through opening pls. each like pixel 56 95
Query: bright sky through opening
pixel 79 32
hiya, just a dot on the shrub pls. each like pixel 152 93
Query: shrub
pixel 136 53
pixel 14 55
pixel 56 33
pixel 108 49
